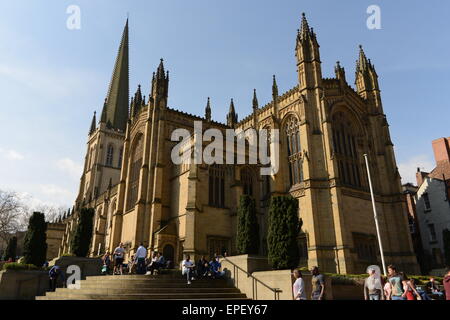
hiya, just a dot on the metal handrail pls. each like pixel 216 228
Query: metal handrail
pixel 255 280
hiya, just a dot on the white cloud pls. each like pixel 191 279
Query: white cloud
pixel 70 167
pixel 56 192
pixel 408 168
pixel 11 154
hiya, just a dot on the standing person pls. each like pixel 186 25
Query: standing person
pixel 119 255
pixel 106 263
pixel 187 268
pixel 410 289
pixel 396 281
pixel 141 254
pixel 387 289
pixel 447 285
pixel 373 288
pixel 54 273
pixel 318 284
pixel 298 288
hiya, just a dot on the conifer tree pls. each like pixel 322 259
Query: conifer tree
pixel 11 250
pixel 284 226
pixel 35 243
pixel 83 233
pixel 248 231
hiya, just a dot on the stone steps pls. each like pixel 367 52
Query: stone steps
pixel 142 287
pixel 140 296
pixel 148 290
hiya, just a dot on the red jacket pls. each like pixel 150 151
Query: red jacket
pixel 447 287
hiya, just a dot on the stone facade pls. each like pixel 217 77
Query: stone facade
pixel 325 128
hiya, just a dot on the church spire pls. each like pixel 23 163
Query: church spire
pixel 208 111
pixel 118 92
pixel 93 124
pixel 366 77
pixel 232 117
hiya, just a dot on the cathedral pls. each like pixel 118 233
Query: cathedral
pixel 325 127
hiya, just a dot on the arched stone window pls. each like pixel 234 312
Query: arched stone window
pixel 217 186
pixel 294 150
pixel 247 181
pixel 119 163
pixel 109 155
pixel 136 164
pixel 345 149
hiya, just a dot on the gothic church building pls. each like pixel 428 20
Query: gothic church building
pixel 326 127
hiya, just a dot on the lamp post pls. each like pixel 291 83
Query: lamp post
pixel 375 215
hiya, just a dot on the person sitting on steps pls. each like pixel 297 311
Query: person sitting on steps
pixel 188 268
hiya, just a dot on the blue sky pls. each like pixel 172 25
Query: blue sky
pixel 53 78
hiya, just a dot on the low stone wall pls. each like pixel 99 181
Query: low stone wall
pixel 88 266
pixel 22 285
pixel 280 279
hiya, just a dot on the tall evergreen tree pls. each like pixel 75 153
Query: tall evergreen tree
pixel 247 229
pixel 284 226
pixel 83 233
pixel 11 250
pixel 446 241
pixel 35 243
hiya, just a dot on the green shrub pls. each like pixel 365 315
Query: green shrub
pixel 19 266
pixel 284 226
pixel 35 244
pixel 68 255
pixel 83 234
pixel 248 231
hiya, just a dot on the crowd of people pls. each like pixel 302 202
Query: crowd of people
pixel 137 264
pixel 396 286
pixel 140 264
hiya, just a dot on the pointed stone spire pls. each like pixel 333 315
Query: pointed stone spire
pixel 274 88
pixel 232 117
pixel 340 72
pixel 305 31
pixel 103 117
pixel 208 111
pixel 255 101
pixel 93 124
pixel 118 92
pixel 136 102
pixel 362 63
pixel 68 213
pixel 160 73
pixel 160 86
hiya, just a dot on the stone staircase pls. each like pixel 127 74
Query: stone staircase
pixel 171 286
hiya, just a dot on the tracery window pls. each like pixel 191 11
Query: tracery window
pixel 109 155
pixel 136 164
pixel 345 150
pixel 294 150
pixel 247 181
pixel 217 186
